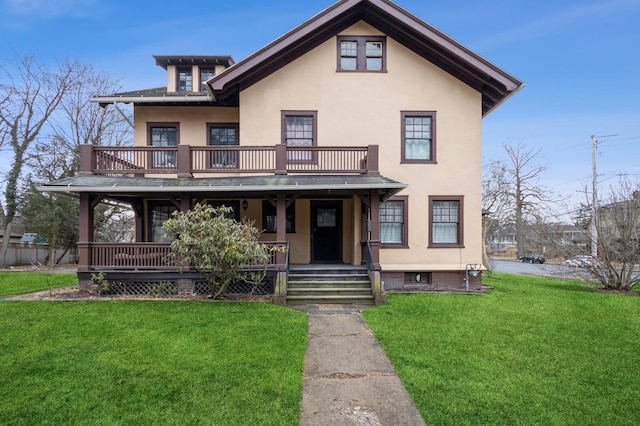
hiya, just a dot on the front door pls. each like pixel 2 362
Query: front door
pixel 326 231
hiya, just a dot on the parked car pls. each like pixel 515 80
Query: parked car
pixel 581 261
pixel 531 258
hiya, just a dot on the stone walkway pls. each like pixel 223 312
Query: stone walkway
pixel 348 379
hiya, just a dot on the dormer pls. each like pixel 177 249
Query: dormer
pixel 188 74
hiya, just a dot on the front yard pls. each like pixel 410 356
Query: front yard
pixel 533 351
pixel 150 362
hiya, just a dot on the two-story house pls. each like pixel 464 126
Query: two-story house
pixel 354 139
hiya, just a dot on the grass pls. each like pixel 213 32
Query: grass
pixel 150 362
pixel 25 282
pixel 533 351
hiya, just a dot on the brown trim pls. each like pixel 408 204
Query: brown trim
pixel 403 116
pixel 314 130
pixel 460 200
pixel 361 56
pixel 405 223
pixel 493 83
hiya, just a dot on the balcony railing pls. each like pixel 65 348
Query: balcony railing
pixel 152 256
pixel 186 160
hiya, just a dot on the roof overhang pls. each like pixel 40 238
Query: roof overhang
pixel 191 99
pixel 494 84
pixel 120 186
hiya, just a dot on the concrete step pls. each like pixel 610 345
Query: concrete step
pixel 320 300
pixel 321 291
pixel 328 284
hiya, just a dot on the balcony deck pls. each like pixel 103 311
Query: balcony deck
pixel 187 160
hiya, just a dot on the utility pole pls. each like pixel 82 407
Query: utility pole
pixel 594 198
pixel 594 195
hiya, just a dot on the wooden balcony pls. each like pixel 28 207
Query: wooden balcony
pixel 186 160
pixel 152 256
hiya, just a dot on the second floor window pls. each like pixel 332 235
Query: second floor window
pixel 185 80
pixel 299 128
pixel 418 137
pixel 223 135
pixel 163 134
pixel 361 53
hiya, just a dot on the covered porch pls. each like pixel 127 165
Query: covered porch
pixel 320 218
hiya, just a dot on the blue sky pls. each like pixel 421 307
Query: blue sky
pixel 579 58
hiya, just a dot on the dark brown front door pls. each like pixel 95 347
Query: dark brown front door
pixel 326 231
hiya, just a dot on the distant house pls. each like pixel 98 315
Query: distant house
pixel 354 140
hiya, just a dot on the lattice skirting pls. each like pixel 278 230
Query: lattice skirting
pixel 170 284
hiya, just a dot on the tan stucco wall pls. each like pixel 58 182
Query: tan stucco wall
pixel 356 109
pixel 193 121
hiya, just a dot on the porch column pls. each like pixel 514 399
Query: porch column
pixel 184 161
pixel 281 225
pixel 138 210
pixel 85 232
pixel 374 213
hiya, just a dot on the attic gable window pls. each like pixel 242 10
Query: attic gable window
pixel 362 53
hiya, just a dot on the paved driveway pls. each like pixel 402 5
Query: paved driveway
pixel 515 267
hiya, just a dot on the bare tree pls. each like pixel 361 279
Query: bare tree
pixel 618 228
pixel 495 203
pixel 56 156
pixel 29 96
pixel 526 198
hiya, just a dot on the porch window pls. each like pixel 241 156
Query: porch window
pixel 205 74
pixel 185 80
pixel 163 134
pixel 418 136
pixel 393 222
pixel 299 128
pixel 445 221
pixel 270 217
pixel 223 135
pixel 361 53
pixel 159 212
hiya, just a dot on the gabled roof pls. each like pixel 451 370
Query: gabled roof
pixel 428 42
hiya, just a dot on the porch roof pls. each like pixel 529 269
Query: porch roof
pixel 239 185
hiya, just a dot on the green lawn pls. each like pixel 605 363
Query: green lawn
pixel 532 351
pixel 150 362
pixel 25 282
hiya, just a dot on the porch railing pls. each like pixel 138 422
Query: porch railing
pixel 189 160
pixel 147 256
